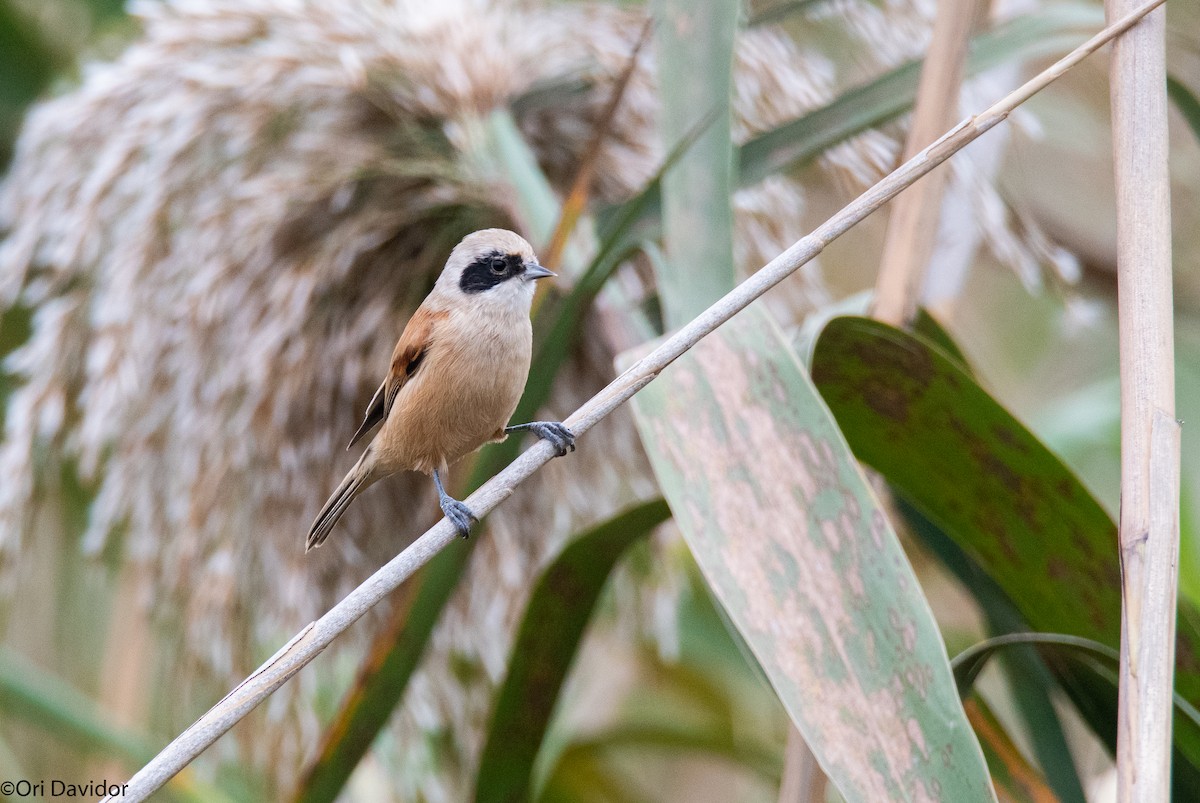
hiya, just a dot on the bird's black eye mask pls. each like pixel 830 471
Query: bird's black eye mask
pixel 490 270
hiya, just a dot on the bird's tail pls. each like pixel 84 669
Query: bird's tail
pixel 354 483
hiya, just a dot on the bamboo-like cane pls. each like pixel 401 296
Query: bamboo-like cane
pixel 913 225
pixel 316 636
pixel 803 779
pixel 1149 532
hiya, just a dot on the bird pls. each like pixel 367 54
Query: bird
pixel 456 376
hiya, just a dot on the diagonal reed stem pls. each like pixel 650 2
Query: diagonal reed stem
pixel 316 636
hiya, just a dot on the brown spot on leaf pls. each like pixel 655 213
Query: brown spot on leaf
pixel 1185 653
pixel 1008 436
pixel 886 400
pixel 888 357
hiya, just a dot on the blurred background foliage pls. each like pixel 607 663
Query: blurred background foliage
pixel 629 680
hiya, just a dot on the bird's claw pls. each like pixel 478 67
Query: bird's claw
pixel 460 516
pixel 561 438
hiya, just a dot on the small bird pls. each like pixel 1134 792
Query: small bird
pixel 457 374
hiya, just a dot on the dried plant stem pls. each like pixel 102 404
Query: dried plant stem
pixel 575 204
pixel 1149 530
pixel 912 227
pixel 316 636
pixel 803 780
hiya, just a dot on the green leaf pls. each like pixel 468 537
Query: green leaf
pixel 1185 102
pixel 911 413
pixel 784 526
pixel 501 153
pixel 27 63
pixel 868 106
pixel 1032 682
pixel 31 694
pixel 695 78
pixel 779 11
pixel 670 739
pixel 932 330
pixel 557 615
pixel 1091 668
pixel 1189 559
pixel 970 662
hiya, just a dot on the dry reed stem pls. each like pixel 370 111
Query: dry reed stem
pixel 575 203
pixel 803 780
pixel 1149 531
pixel 913 225
pixel 316 636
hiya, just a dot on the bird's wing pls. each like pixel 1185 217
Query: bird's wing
pixel 406 359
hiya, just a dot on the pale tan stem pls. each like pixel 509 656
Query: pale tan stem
pixel 803 780
pixel 316 636
pixel 1149 529
pixel 912 227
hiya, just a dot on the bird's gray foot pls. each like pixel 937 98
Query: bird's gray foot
pixel 459 514
pixel 561 438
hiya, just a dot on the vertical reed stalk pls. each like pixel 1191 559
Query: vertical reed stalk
pixel 1149 528
pixel 912 227
pixel 803 780
pixel 695 69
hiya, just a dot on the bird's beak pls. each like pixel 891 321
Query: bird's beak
pixel 535 271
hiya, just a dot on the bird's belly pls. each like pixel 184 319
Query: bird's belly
pixel 453 406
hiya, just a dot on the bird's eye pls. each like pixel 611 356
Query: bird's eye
pixel 499 266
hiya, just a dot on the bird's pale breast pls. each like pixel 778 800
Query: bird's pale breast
pixel 462 395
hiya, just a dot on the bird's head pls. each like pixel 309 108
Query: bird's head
pixel 492 267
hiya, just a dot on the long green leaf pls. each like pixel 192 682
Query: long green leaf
pixel 27 63
pixel 793 543
pixel 779 11
pixel 970 662
pixel 1091 670
pixel 891 94
pixel 29 693
pixel 954 453
pixel 1185 102
pixel 551 631
pixel 501 153
pixel 695 78
pixel 669 740
pixel 1031 680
